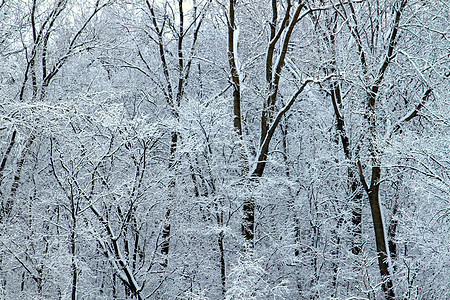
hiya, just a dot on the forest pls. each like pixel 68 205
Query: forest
pixel 224 149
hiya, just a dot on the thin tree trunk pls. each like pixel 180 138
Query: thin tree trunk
pixel 278 36
pixel 73 208
pixel 165 244
pixel 222 263
pixel 74 264
pixel 173 96
pixel 6 210
pixel 232 55
pixel 248 222
pixel 357 193
pixel 392 232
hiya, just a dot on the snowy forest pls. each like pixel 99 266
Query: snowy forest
pixel 224 149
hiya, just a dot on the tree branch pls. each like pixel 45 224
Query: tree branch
pixel 409 116
pixel 361 176
pixel 265 144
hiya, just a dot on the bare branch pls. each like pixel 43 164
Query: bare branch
pixel 410 115
pixel 361 176
pixel 265 145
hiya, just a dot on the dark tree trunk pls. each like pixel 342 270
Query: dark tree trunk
pixel 392 231
pixel 357 193
pixel 237 123
pixel 165 244
pixel 222 264
pixel 380 237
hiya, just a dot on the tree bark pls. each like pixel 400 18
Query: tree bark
pixel 380 237
pixel 222 264
pixel 378 226
pixel 232 55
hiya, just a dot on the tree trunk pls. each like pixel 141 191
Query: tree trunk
pixel 165 244
pixel 357 193
pixel 222 264
pixel 248 224
pixel 392 232
pixel 74 265
pixel 232 48
pixel 380 237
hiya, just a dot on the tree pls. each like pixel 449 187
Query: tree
pixel 224 149
pixel 376 66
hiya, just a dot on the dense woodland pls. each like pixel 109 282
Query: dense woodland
pixel 224 149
